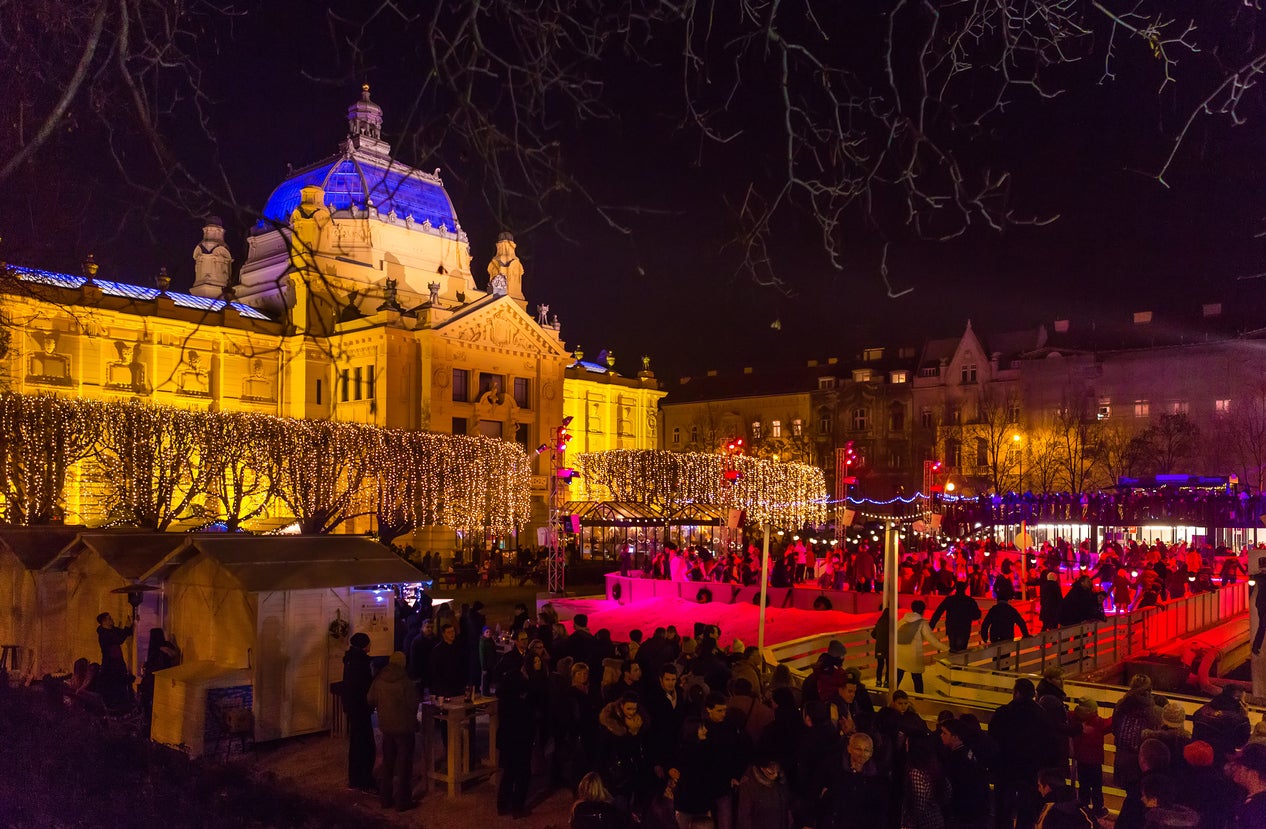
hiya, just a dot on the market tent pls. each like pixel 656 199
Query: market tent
pixel 96 563
pixel 32 602
pixel 270 604
pixel 613 513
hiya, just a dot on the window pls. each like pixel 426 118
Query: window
pixel 1013 411
pixel 824 422
pixel 356 383
pixel 1141 408
pixel 897 417
pixel 1105 412
pixel 459 426
pixel 826 383
pixel 521 392
pixel 863 375
pixel 861 419
pixel 1222 406
pixel 521 434
pixel 461 385
pixel 676 435
pixel 369 382
pixel 894 460
pixel 982 452
pixel 953 415
pixel 775 428
pixel 694 434
pixel 968 373
pixel 954 453
pixel 899 377
pixel 870 355
pixel 926 418
pixel 1178 407
pixel 797 427
pixel 755 430
pixel 346 385
pixel 318 400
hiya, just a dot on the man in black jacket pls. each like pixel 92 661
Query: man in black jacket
pixel 1049 598
pixel 357 677
pixel 1080 604
pixel 666 710
pixel 1000 623
pixel 448 665
pixel 1026 743
pixel 969 782
pixel 1060 809
pixel 960 610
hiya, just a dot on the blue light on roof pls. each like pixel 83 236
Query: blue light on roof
pixel 348 182
pixel 127 290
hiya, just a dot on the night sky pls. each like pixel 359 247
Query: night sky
pixel 277 92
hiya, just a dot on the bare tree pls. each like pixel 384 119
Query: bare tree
pixel 989 440
pixel 150 462
pixel 1076 435
pixel 1115 451
pixel 1044 469
pixel 1245 426
pixel 1169 442
pixel 322 469
pixel 239 451
pixel 41 438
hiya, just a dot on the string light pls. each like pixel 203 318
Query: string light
pixel 150 466
pixel 782 494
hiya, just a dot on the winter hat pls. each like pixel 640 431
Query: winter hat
pixel 689 646
pixel 359 640
pixel 1087 707
pixel 835 649
pixel 1153 756
pixel 1053 672
pixel 1140 682
pixel 397 658
pixel 737 646
pixel 1174 716
pixel 1198 753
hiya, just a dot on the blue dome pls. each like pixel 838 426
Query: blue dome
pixel 350 181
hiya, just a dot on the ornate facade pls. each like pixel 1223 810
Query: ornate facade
pixel 356 302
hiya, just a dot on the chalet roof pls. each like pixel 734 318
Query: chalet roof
pixel 129 553
pixel 35 547
pixel 264 563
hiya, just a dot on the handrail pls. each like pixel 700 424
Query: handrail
pixel 1077 648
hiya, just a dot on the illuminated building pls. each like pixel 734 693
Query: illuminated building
pixel 356 302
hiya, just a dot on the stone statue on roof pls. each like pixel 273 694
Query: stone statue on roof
pixel 505 271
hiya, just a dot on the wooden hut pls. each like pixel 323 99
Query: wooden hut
pixel 33 602
pixel 271 605
pixel 96 563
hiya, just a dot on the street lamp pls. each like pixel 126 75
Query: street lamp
pixel 1024 524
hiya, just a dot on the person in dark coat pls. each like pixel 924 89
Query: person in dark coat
pixel 857 796
pixel 1080 604
pixel 419 662
pixel 396 698
pixel 1060 808
pixel 594 807
pixel 357 678
pixel 516 731
pixel 1027 743
pixel 473 627
pixel 880 634
pixel 1000 623
pixel 764 801
pixel 448 665
pixel 666 707
pixel 1050 595
pixel 114 680
pixel 581 645
pixel 621 750
pixel 960 610
pixel 1222 722
pixel 163 654
pixel 969 782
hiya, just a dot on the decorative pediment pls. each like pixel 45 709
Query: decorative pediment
pixel 504 325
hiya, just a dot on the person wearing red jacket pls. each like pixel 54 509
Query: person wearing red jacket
pixel 1088 752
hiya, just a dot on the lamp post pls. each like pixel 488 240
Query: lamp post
pixel 1024 524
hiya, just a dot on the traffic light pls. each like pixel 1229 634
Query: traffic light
pixel 850 454
pixel 936 467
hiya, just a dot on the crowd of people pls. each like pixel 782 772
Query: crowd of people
pixel 1206 507
pixel 666 731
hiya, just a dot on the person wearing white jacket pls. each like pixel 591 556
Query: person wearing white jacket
pixel 912 632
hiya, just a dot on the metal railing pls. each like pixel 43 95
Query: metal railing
pixel 1078 648
pixel 1092 645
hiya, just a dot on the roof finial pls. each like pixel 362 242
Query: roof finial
pixel 364 92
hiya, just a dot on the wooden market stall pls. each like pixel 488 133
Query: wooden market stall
pixel 32 601
pixel 97 563
pixel 271 607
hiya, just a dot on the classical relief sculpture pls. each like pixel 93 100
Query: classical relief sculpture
pixel 46 365
pixel 127 372
pixel 194 378
pixel 257 385
pixel 505 271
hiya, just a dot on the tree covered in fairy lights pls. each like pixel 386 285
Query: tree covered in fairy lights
pixel 160 465
pixel 782 494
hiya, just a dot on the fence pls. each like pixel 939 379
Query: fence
pixel 1078 648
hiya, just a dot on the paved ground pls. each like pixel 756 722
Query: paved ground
pixel 317 765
